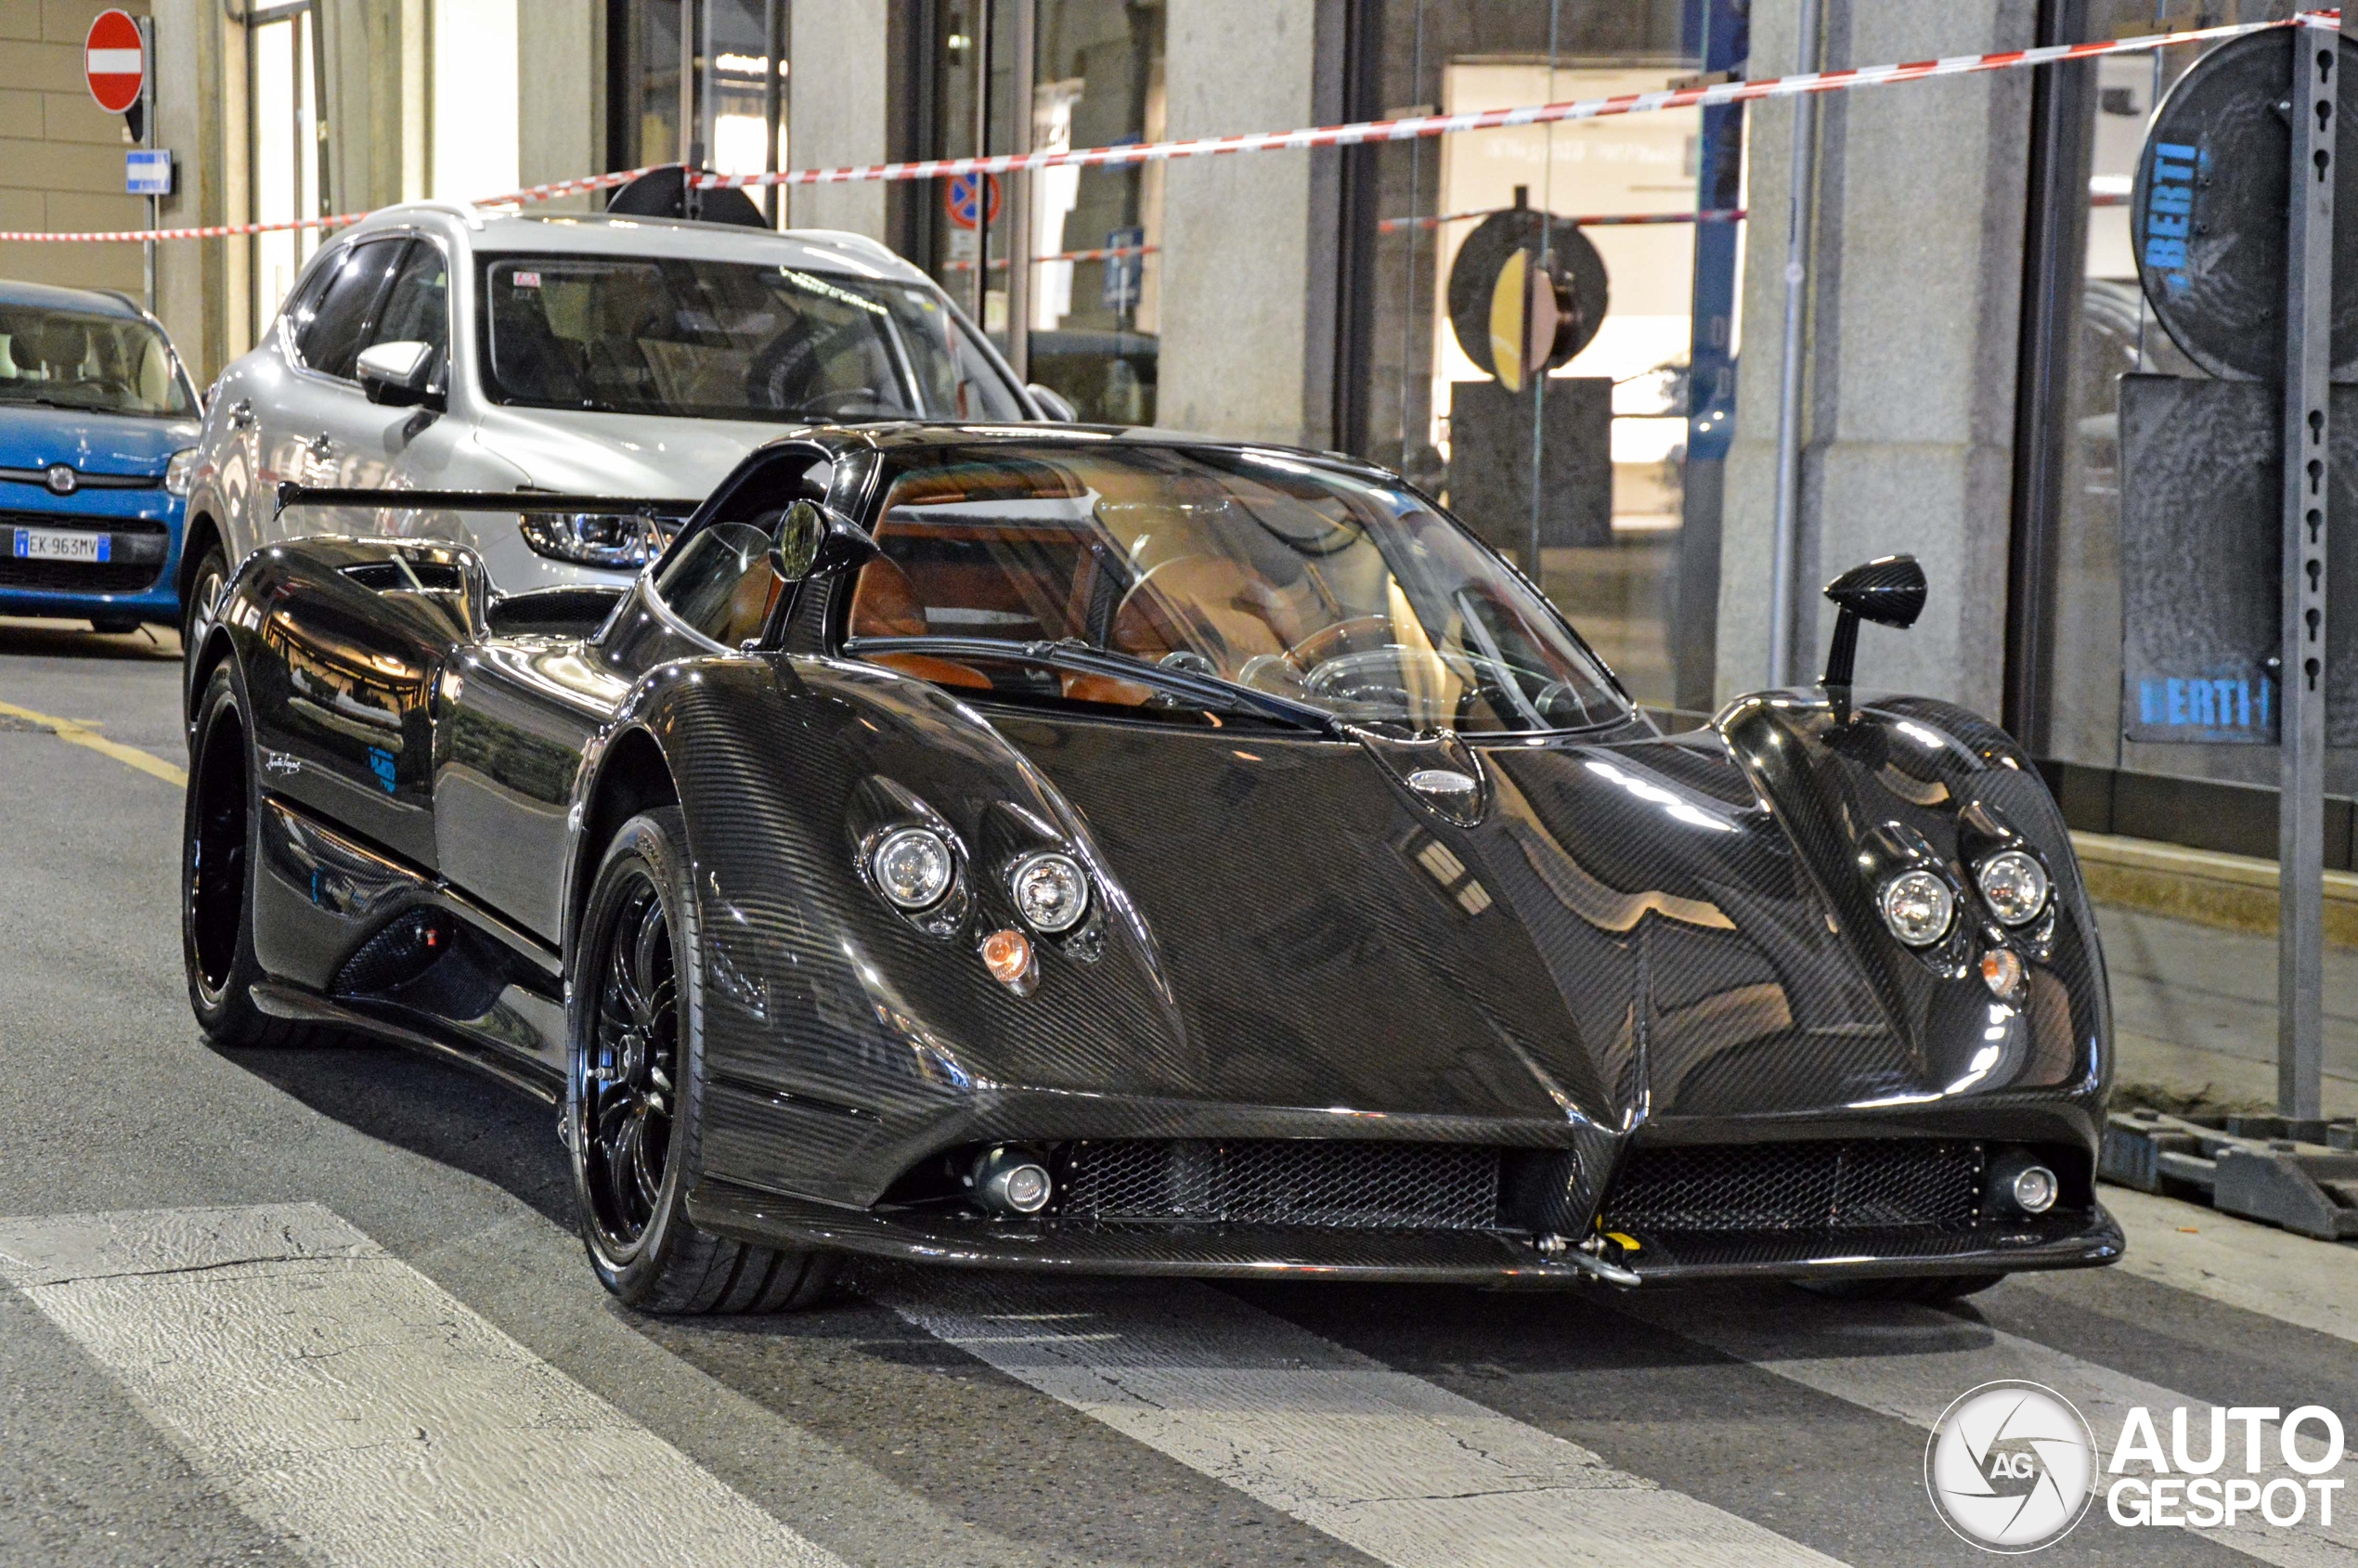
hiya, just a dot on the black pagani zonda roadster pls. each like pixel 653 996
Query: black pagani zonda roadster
pixel 1070 850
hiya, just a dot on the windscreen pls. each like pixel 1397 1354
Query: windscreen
pixel 1257 569
pixel 727 340
pixel 68 359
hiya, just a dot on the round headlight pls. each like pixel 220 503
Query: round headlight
pixel 2015 884
pixel 1051 891
pixel 1917 906
pixel 913 867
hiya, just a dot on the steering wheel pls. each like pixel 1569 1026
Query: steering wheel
pixel 1361 634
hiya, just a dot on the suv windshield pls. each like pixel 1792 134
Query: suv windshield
pixel 1257 569
pixel 728 340
pixel 69 359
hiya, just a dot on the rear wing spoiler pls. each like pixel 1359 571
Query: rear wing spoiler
pixel 292 494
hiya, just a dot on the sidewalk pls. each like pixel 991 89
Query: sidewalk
pixel 2195 1015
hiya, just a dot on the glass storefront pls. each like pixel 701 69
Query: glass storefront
pixel 288 155
pixel 717 65
pixel 2081 718
pixel 1600 439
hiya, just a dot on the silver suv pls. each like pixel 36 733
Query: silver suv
pixel 435 347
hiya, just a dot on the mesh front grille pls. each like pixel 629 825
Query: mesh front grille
pixel 1850 1186
pixel 1293 1182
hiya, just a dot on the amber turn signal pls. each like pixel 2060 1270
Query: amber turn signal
pixel 1007 954
pixel 2001 972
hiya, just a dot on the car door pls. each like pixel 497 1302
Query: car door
pixel 320 429
pixel 417 447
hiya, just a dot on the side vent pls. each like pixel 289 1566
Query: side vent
pixel 398 955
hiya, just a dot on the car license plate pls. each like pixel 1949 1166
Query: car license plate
pixel 47 544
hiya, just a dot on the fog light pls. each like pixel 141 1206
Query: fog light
pixel 2001 972
pixel 1007 954
pixel 2025 1185
pixel 1012 1181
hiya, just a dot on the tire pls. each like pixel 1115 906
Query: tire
pixel 635 1091
pixel 1930 1289
pixel 205 589
pixel 216 880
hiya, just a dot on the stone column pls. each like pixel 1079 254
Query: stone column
pixel 1248 240
pixel 837 111
pixel 561 93
pixel 1910 385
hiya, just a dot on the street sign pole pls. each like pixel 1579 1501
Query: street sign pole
pixel 148 127
pixel 2301 828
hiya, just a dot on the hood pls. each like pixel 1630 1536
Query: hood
pixel 1633 930
pixel 1627 930
pixel 91 442
pixel 617 454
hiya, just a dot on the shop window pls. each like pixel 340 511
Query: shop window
pixel 288 147
pixel 718 68
pixel 1587 462
pixel 474 152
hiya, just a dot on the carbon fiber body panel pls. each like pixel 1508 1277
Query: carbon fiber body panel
pixel 1625 942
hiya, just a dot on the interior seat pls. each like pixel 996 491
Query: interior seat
pixel 1205 603
pixel 884 603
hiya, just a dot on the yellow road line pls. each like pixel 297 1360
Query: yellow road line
pixel 82 734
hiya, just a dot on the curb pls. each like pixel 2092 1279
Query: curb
pixel 2233 892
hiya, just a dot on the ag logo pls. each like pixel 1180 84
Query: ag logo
pixel 2011 1467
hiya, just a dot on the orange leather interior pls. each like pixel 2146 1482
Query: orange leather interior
pixel 884 603
pixel 1207 603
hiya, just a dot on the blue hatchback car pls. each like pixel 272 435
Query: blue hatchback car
pixel 98 441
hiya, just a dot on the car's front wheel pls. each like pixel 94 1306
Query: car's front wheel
pixel 635 1095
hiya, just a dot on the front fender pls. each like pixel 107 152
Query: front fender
pixel 827 1011
pixel 1838 782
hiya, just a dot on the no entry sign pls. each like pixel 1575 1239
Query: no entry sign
pixel 112 61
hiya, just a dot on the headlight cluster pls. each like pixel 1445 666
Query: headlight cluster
pixel 1051 892
pixel 914 867
pixel 2014 884
pixel 594 538
pixel 1919 907
pixel 180 473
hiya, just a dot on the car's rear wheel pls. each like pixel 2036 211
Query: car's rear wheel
pixel 216 878
pixel 204 590
pixel 1929 1289
pixel 635 1095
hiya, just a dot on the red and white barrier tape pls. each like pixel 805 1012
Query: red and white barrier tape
pixel 1359 133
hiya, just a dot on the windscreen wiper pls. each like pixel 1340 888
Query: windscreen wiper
pixel 1209 691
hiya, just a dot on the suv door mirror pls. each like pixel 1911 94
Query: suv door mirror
pixel 398 374
pixel 810 540
pixel 1888 591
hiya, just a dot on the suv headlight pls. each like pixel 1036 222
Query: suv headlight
pixel 595 538
pixel 180 474
pixel 1051 891
pixel 2014 884
pixel 1917 906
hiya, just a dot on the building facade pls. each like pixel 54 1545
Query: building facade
pixel 1968 303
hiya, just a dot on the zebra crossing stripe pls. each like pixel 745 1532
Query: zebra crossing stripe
pixel 349 1404
pixel 1399 1468
pixel 1909 1362
pixel 2309 1284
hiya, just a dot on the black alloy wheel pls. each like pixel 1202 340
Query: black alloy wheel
pixel 216 879
pixel 635 1095
pixel 630 1093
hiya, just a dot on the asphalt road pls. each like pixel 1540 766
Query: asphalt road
pixel 327 1306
